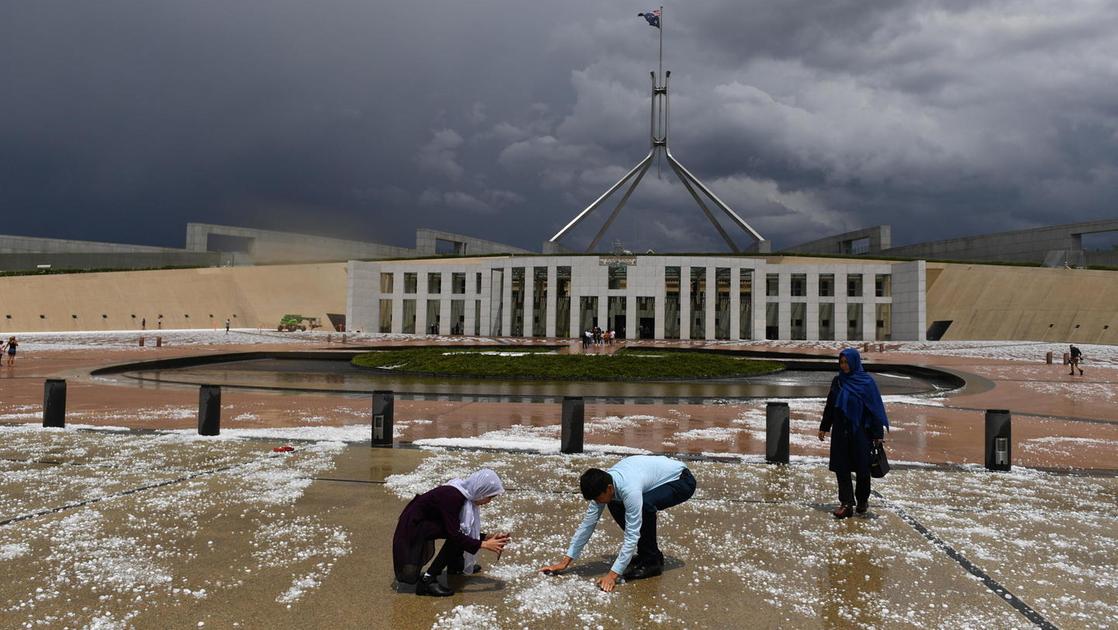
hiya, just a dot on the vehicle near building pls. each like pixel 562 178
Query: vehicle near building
pixel 291 323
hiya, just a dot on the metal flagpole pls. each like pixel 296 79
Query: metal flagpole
pixel 659 117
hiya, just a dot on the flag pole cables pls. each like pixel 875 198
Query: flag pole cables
pixel 658 131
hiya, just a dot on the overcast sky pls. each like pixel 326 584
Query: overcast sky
pixel 121 121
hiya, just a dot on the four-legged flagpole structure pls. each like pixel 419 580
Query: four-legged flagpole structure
pixel 659 135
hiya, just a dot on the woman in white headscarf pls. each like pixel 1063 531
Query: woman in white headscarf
pixel 447 512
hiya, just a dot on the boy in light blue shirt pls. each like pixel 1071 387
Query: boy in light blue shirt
pixel 634 490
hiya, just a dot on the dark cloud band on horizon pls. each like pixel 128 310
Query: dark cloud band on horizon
pixel 122 121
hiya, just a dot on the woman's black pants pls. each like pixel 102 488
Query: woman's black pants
pixel 848 492
pixel 449 556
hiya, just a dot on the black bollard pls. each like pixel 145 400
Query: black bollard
pixel 209 410
pixel 54 403
pixel 141 341
pixel 776 432
pixel 1048 358
pixel 159 342
pixel 382 418
pixel 573 418
pixel 998 439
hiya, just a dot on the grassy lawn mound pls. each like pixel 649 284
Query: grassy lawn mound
pixel 537 363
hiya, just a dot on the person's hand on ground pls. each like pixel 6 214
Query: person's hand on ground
pixel 555 569
pixel 822 435
pixel 608 582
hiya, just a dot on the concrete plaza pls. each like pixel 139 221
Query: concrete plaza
pixel 127 519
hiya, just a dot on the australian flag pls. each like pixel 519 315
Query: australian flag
pixel 653 17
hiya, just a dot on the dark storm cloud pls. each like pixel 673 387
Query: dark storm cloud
pixel 124 120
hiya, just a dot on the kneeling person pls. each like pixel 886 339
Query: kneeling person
pixel 634 489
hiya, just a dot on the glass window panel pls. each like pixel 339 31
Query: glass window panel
pixel 458 283
pixel 411 283
pixel 409 317
pixel 798 325
pixel 854 286
pixel 386 316
pixel 854 321
pixel 826 285
pixel 826 320
pixel 799 285
pixel 772 285
pixel 883 285
pixel 745 306
pixel 698 302
pixel 386 282
pixel 434 283
pixel 618 276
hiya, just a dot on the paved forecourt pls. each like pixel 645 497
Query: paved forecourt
pixel 174 530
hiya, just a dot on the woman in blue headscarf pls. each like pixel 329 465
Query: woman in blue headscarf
pixel 855 415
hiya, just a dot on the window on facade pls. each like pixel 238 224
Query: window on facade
pixel 411 284
pixel 826 285
pixel 618 276
pixel 458 315
pixel 615 315
pixel 854 321
pixel 434 317
pixel 721 303
pixel 517 302
pixel 772 284
pixel 408 325
pixel 826 320
pixel 772 320
pixel 671 302
pixel 386 316
pixel 434 283
pixel 458 283
pixel 539 301
pixel 884 317
pixel 745 305
pixel 563 302
pixel 477 287
pixel 854 285
pixel 386 283
pixel 588 313
pixel 698 302
pixel 883 285
pixel 798 324
pixel 799 285
pixel 646 318
pixel 477 318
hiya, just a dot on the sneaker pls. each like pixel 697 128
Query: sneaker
pixel 645 571
pixel 429 585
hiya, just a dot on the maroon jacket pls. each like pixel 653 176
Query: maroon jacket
pixel 428 517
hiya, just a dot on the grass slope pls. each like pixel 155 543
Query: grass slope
pixel 625 365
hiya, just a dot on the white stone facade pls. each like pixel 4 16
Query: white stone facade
pixel 477 296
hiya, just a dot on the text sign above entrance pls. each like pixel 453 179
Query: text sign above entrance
pixel 610 261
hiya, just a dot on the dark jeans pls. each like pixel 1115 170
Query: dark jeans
pixel 659 498
pixel 847 492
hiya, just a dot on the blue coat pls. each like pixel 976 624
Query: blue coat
pixel 850 449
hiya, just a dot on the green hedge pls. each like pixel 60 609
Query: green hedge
pixel 625 365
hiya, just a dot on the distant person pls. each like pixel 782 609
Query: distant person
pixel 635 489
pixel 143 323
pixel 447 512
pixel 856 414
pixel 1076 358
pixel 11 349
pixel 227 325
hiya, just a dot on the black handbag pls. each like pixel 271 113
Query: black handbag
pixel 879 462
